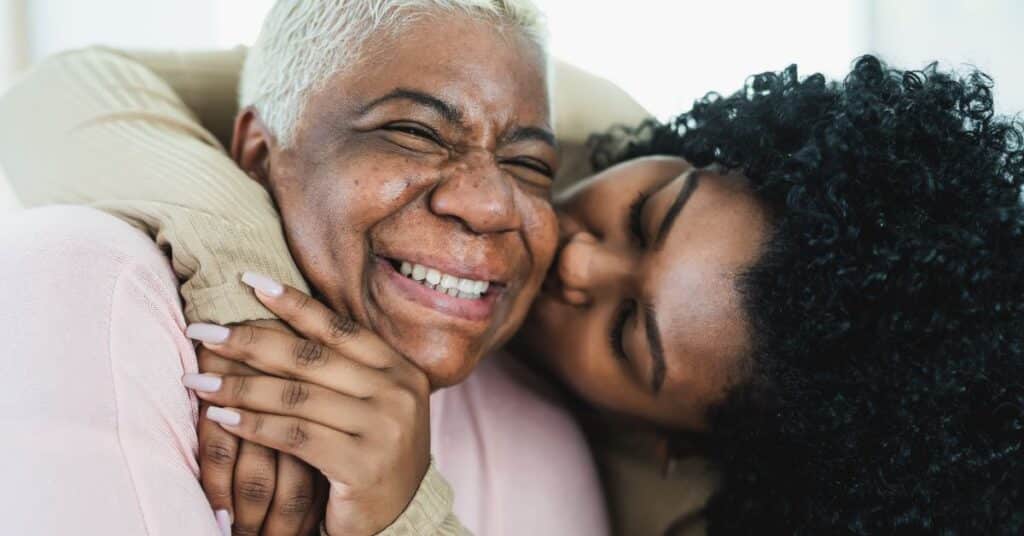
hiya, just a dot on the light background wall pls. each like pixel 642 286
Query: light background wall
pixel 665 52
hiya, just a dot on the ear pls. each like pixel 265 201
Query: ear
pixel 250 146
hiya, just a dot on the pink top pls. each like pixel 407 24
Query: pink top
pixel 99 434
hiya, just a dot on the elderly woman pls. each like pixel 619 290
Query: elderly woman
pixel 336 96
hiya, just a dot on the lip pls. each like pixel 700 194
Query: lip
pixel 473 310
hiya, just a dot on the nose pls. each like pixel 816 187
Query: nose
pixel 589 268
pixel 476 192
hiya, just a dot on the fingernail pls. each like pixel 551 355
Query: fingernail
pixel 223 416
pixel 263 284
pixel 223 521
pixel 211 333
pixel 208 383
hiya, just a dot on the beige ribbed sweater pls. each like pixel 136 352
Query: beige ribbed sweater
pixel 99 128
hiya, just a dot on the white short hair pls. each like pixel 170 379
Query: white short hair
pixel 304 43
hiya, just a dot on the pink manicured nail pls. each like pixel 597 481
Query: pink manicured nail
pixel 223 416
pixel 223 521
pixel 263 284
pixel 208 383
pixel 211 333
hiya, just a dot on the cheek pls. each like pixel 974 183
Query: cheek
pixel 541 231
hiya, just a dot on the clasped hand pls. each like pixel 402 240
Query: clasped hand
pixel 333 395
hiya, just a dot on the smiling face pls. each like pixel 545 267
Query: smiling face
pixel 432 161
pixel 641 315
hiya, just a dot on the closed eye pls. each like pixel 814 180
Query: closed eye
pixel 533 165
pixel 618 327
pixel 416 130
pixel 634 221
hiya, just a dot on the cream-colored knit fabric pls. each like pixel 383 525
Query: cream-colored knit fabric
pixel 429 513
pixel 93 127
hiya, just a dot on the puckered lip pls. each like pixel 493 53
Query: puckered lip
pixel 456 267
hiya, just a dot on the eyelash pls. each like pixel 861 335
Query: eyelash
pixel 615 337
pixel 538 167
pixel 415 130
pixel 634 222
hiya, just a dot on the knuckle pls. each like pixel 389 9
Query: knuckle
pixel 391 429
pixel 294 394
pixel 297 502
pixel 255 488
pixel 309 354
pixel 296 437
pixel 239 387
pixel 239 529
pixel 302 302
pixel 405 401
pixel 246 334
pixel 258 420
pixel 341 327
pixel 220 452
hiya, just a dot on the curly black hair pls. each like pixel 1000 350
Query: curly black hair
pixel 885 393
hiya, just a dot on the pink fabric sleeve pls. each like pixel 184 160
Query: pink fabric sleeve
pixel 99 434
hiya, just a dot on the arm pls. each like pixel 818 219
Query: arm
pixel 94 127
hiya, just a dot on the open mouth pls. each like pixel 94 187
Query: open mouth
pixel 436 280
pixel 444 292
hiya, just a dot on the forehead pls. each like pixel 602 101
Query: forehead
pixel 491 73
pixel 692 279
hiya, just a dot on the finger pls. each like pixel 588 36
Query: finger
pixel 314 320
pixel 218 450
pixel 209 361
pixel 294 497
pixel 311 525
pixel 313 443
pixel 267 394
pixel 254 483
pixel 284 355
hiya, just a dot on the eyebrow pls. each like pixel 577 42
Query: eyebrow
pixel 531 133
pixel 449 112
pixel 692 180
pixel 657 350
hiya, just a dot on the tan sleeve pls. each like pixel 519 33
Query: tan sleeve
pixel 429 513
pixel 94 127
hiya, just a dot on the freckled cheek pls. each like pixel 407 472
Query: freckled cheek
pixel 541 231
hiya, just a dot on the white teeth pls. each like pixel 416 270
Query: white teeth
pixel 432 278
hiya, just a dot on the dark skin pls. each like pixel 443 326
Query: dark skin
pixel 640 316
pixel 439 152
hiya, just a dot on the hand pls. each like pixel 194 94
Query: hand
pixel 352 407
pixel 261 491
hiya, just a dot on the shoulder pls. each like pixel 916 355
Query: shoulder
pixel 524 450
pixel 83 247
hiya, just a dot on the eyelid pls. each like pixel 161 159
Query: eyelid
pixel 618 326
pixel 533 164
pixel 418 129
pixel 634 218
